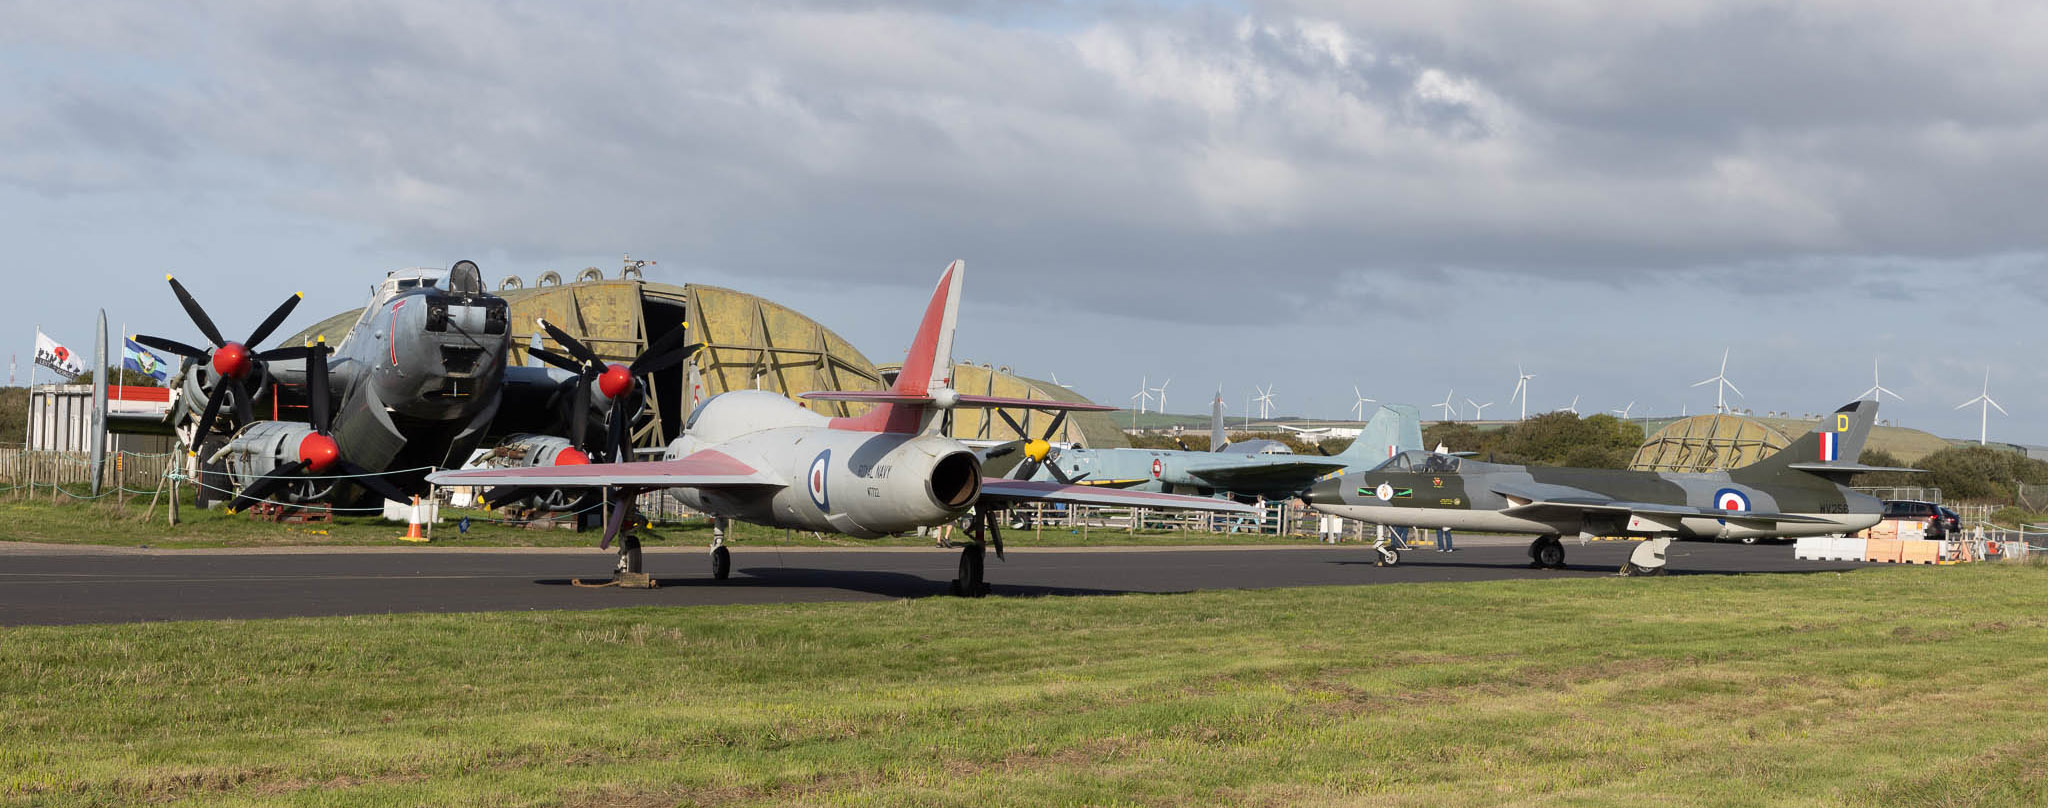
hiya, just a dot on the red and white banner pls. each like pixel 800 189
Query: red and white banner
pixel 56 357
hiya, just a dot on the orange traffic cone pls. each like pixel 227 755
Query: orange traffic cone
pixel 412 523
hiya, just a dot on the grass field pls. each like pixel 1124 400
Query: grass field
pixel 1897 686
pixel 75 522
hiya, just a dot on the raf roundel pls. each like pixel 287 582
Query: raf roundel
pixel 1730 499
pixel 815 480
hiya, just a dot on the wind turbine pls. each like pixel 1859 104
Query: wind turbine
pixel 1056 381
pixel 1572 408
pixel 1987 405
pixel 1478 409
pixel 1161 390
pixel 1721 384
pixel 1358 410
pixel 1522 390
pixel 1265 399
pixel 1450 410
pixel 1142 397
pixel 1623 412
pixel 1878 391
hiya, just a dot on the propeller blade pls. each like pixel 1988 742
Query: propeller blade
pixel 171 346
pixel 579 413
pixel 318 394
pixel 244 412
pixel 1017 427
pixel 668 344
pixel 556 359
pixel 206 416
pixel 284 354
pixel 1061 475
pixel 373 481
pixel 654 363
pixel 198 314
pixel 259 490
pixel 1054 427
pixel 275 319
pixel 615 428
pixel 575 347
pixel 1026 470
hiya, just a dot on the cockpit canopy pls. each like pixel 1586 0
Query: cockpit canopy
pixel 1420 462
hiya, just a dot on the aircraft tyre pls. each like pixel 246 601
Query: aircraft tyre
pixel 1629 569
pixel 1546 552
pixel 721 563
pixel 1389 557
pixel 1749 540
pixel 970 584
pixel 629 554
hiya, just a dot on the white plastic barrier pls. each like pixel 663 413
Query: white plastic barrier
pixel 1829 548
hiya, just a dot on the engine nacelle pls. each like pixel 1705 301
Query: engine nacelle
pixel 529 451
pixel 860 484
pixel 261 448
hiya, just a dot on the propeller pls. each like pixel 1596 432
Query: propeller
pixel 619 384
pixel 1037 451
pixel 319 453
pixel 233 362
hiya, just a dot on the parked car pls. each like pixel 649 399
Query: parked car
pixel 1941 522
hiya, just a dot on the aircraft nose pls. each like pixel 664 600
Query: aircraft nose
pixel 1325 492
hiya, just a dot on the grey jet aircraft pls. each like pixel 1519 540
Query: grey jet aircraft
pixel 1392 429
pixel 1799 491
pixel 759 457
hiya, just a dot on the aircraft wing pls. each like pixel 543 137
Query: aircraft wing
pixel 706 469
pixel 1554 501
pixel 1286 474
pixel 999 491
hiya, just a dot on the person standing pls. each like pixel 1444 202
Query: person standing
pixel 1443 540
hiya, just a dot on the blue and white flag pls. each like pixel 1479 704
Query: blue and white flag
pixel 141 360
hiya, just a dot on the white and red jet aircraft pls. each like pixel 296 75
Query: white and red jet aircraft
pixel 759 457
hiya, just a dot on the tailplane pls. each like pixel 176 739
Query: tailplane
pixel 1831 450
pixel 1394 428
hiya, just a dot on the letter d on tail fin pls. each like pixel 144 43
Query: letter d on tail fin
pixel 1832 450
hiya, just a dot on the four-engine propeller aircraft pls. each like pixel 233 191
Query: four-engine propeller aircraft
pixel 418 381
pixel 759 457
pixel 1799 491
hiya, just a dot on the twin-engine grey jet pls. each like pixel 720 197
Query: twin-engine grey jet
pixel 759 457
pixel 1800 491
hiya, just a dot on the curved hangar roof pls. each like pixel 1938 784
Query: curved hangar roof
pixel 1716 442
pixel 747 343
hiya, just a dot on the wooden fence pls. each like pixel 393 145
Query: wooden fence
pixel 136 472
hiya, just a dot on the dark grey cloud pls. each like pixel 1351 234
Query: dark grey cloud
pixel 1231 166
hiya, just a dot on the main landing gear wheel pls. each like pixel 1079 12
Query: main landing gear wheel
pixel 1647 559
pixel 721 563
pixel 970 584
pixel 629 555
pixel 1546 552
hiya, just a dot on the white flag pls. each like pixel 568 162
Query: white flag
pixel 57 357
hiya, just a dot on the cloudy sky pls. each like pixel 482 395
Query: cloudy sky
pixel 1408 197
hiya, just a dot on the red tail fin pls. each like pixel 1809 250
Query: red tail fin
pixel 928 366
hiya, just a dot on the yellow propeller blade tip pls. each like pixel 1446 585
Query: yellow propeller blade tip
pixel 167 276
